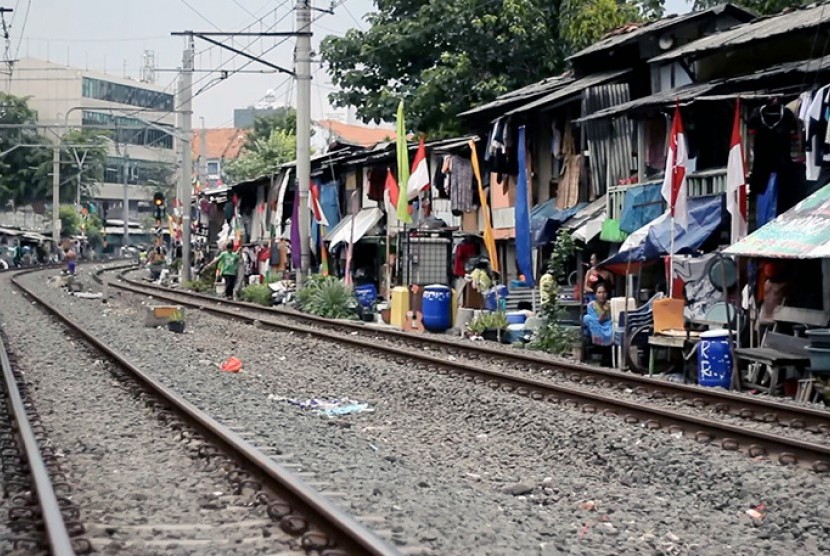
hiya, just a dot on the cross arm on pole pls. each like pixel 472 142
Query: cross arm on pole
pixel 244 54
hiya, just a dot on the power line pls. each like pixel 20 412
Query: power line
pixel 23 28
pixel 200 14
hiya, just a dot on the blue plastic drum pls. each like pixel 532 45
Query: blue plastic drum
pixel 366 295
pixel 436 306
pixel 714 359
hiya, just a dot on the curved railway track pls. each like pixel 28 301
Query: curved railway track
pixel 321 527
pixel 447 357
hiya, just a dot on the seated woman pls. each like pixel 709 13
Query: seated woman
pixel 598 318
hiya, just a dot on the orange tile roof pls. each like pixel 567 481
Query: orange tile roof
pixel 357 134
pixel 222 142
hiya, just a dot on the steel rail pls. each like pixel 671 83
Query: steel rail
pixel 56 532
pixel 753 442
pixel 758 409
pixel 350 535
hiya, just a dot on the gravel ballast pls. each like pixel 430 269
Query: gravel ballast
pixel 463 469
pixel 140 490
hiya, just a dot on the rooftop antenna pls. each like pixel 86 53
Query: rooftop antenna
pixel 148 67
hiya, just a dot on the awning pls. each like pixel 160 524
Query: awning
pixel 546 219
pixel 653 240
pixel 803 232
pixel 571 89
pixel 364 221
pixel 586 224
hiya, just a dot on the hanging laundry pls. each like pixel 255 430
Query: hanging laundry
pixel 461 186
pixel 377 180
pixel 777 149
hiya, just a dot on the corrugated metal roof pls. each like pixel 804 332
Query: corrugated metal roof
pixel 632 32
pixel 529 91
pixel 758 29
pixel 698 91
pixel 573 88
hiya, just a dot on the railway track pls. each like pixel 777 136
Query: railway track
pixel 317 525
pixel 533 375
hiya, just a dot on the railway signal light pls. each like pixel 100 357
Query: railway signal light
pixel 158 205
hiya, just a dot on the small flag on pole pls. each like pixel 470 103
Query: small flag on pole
pixel 419 179
pixel 674 184
pixel 736 202
pixel 403 167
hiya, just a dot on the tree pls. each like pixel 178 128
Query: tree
pixel 70 221
pixel 445 57
pixel 552 336
pixel 263 156
pixel 22 152
pixel 283 118
pixel 761 7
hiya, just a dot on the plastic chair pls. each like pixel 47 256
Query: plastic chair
pixel 635 328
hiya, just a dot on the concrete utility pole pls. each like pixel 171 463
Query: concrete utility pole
pixel 185 102
pixel 126 167
pixel 203 155
pixel 56 194
pixel 303 71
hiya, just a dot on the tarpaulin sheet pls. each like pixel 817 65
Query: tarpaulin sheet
pixel 642 204
pixel 546 219
pixel 803 232
pixel 524 251
pixel 654 239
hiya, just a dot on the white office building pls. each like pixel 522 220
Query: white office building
pixel 146 154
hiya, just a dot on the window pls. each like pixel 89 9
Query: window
pixel 139 172
pixel 126 94
pixel 213 168
pixel 129 130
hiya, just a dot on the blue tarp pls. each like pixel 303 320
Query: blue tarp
pixel 546 219
pixel 524 251
pixel 330 204
pixel 642 204
pixel 654 240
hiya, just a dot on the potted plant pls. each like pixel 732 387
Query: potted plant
pixel 490 326
pixel 176 322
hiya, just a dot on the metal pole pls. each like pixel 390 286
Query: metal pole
pixel 56 190
pixel 303 70
pixel 126 168
pixel 186 137
pixel 203 155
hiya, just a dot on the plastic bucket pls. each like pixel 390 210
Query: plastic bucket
pixel 714 359
pixel 516 317
pixel 819 338
pixel 819 358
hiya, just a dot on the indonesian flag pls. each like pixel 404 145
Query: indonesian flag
pixel 314 205
pixel 736 202
pixel 419 178
pixel 675 191
pixel 390 191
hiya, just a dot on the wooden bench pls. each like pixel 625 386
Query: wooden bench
pixel 778 351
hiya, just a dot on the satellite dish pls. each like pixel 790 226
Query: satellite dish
pixel 666 41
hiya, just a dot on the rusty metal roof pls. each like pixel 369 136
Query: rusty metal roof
pixel 515 96
pixel 734 86
pixel 572 88
pixel 758 29
pixel 631 32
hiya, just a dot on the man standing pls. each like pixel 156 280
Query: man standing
pixel 228 262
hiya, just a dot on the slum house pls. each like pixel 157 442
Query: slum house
pixel 571 167
pixel 776 89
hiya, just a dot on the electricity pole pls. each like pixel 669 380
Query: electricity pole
pixel 125 164
pixel 185 102
pixel 303 71
pixel 56 192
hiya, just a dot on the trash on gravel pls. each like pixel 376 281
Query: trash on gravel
pixel 589 505
pixel 88 295
pixel 330 407
pixel 231 365
pixel 756 512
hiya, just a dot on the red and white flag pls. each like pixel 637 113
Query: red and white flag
pixel 736 202
pixel 390 192
pixel 315 206
pixel 675 191
pixel 419 178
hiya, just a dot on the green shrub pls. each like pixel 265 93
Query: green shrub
pixel 552 336
pixel 326 296
pixel 256 293
pixel 204 282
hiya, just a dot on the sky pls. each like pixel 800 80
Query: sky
pixel 112 36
